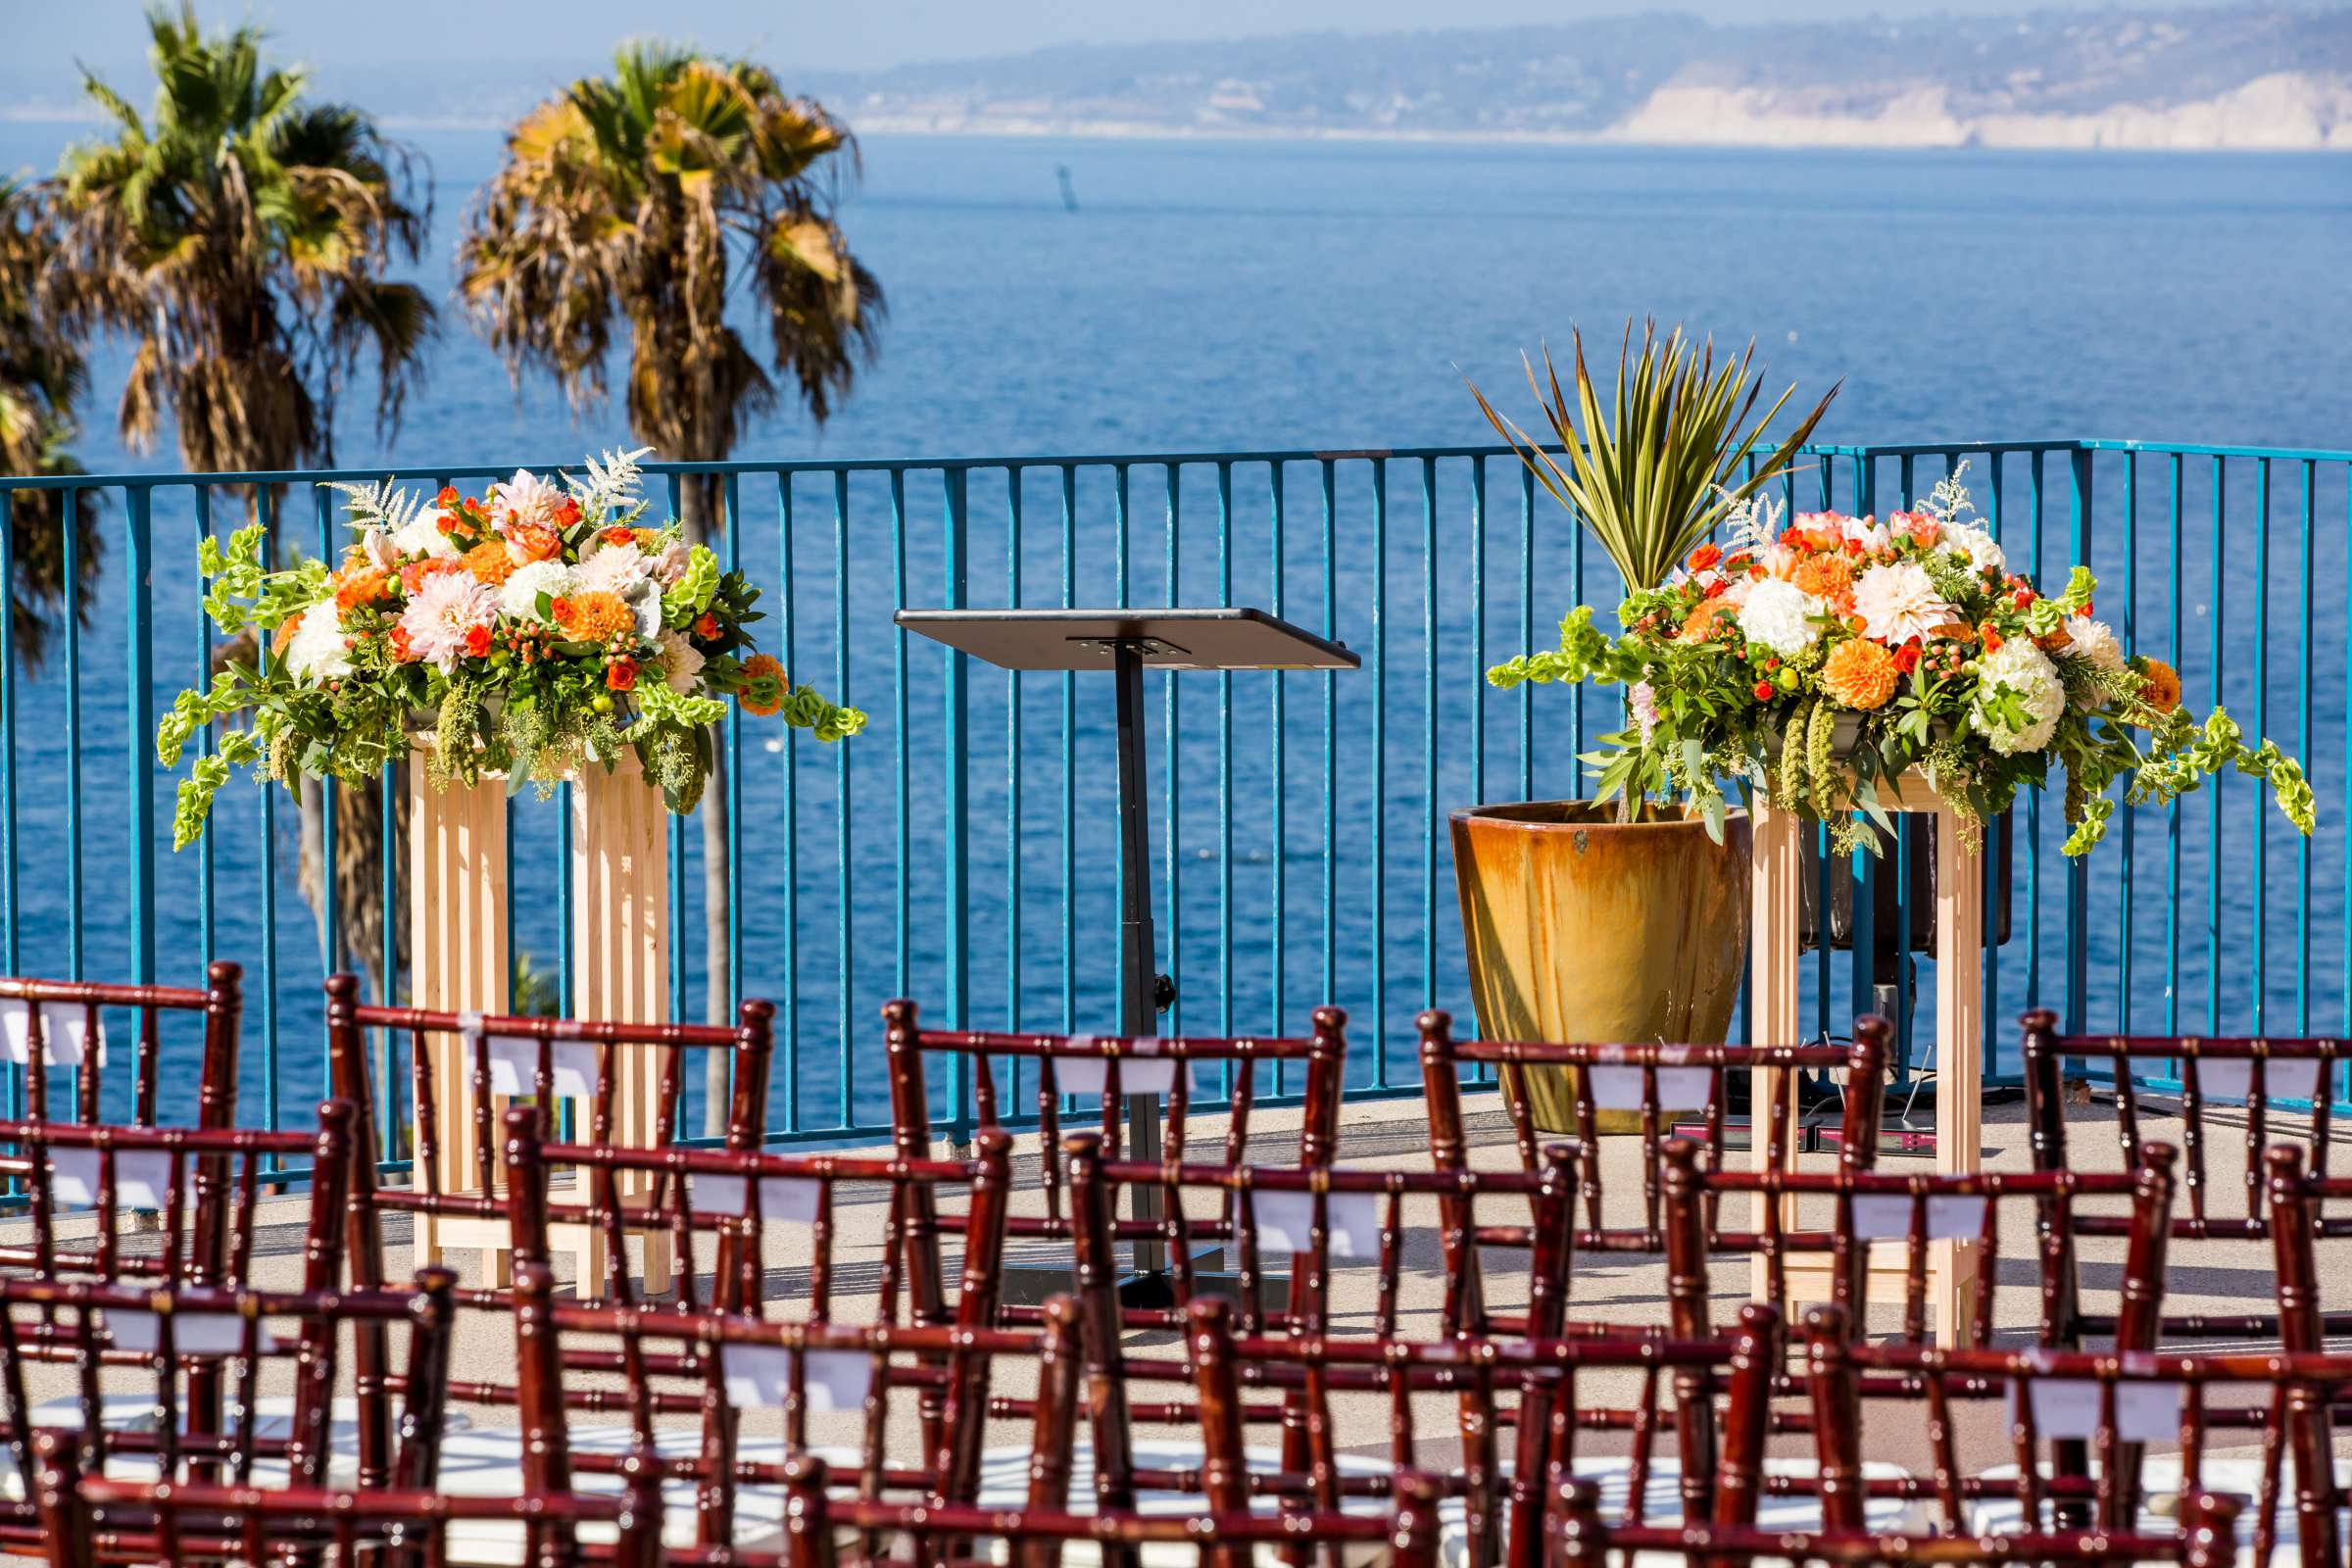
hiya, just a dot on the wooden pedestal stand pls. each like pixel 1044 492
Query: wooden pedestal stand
pixel 1774 1020
pixel 458 890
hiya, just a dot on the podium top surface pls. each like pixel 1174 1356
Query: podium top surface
pixel 1218 638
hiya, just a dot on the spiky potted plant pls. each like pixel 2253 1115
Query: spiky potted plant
pixel 1621 916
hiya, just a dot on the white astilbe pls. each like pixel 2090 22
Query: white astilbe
pixel 1948 502
pixel 611 485
pixel 1754 522
pixel 382 506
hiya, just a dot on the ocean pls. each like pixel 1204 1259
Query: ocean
pixel 1261 295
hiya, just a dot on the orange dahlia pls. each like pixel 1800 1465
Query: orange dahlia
pixel 595 616
pixel 490 563
pixel 2163 690
pixel 1859 675
pixel 1832 577
pixel 762 689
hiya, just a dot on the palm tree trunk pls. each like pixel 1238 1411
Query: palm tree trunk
pixel 694 498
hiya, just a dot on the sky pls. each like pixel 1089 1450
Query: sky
pixel 858 35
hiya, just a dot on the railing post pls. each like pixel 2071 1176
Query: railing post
pixel 2077 869
pixel 330 902
pixel 956 800
pixel 138 714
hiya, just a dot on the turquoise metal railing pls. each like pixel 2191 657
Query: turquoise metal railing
pixel 959 852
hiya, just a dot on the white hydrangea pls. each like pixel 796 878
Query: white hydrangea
pixel 1967 539
pixel 519 594
pixel 1780 615
pixel 422 536
pixel 315 651
pixel 2028 673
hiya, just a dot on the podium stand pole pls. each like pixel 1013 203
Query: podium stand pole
pixel 1139 966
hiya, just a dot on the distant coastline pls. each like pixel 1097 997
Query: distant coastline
pixel 2251 77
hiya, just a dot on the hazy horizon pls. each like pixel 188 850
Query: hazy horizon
pixel 875 34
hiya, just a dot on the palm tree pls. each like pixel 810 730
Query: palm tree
pixel 645 201
pixel 243 240
pixel 42 377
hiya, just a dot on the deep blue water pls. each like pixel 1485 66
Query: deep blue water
pixel 1253 296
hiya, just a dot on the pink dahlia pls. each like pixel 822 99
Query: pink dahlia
pixel 445 609
pixel 525 498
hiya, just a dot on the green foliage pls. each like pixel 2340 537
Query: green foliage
pixel 1655 473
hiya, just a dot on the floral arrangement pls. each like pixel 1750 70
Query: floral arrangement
pixel 535 628
pixel 1822 660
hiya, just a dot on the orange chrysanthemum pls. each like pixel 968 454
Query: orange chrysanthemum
pixel 285 633
pixel 1860 675
pixel 762 691
pixel 490 563
pixel 595 616
pixel 2163 690
pixel 1700 625
pixel 1832 577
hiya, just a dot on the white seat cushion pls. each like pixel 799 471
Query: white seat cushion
pixel 2160 1485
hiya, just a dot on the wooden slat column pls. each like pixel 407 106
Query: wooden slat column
pixel 620 965
pixel 457 963
pixel 1778 848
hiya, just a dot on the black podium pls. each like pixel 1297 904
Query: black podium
pixel 1126 643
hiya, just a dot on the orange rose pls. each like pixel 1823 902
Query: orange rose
pixel 356 587
pixel 527 542
pixel 620 675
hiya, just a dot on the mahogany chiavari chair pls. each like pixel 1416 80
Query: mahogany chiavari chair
pixel 1720 1385
pixel 2207 1537
pixel 599 1071
pixel 1109 1070
pixel 150 1343
pixel 1884 1223
pixel 53 1026
pixel 2259 1075
pixel 927 1536
pixel 162 1208
pixel 92 1521
pixel 745 1365
pixel 1651 1080
pixel 726 1214
pixel 2053 1407
pixel 1317 1220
